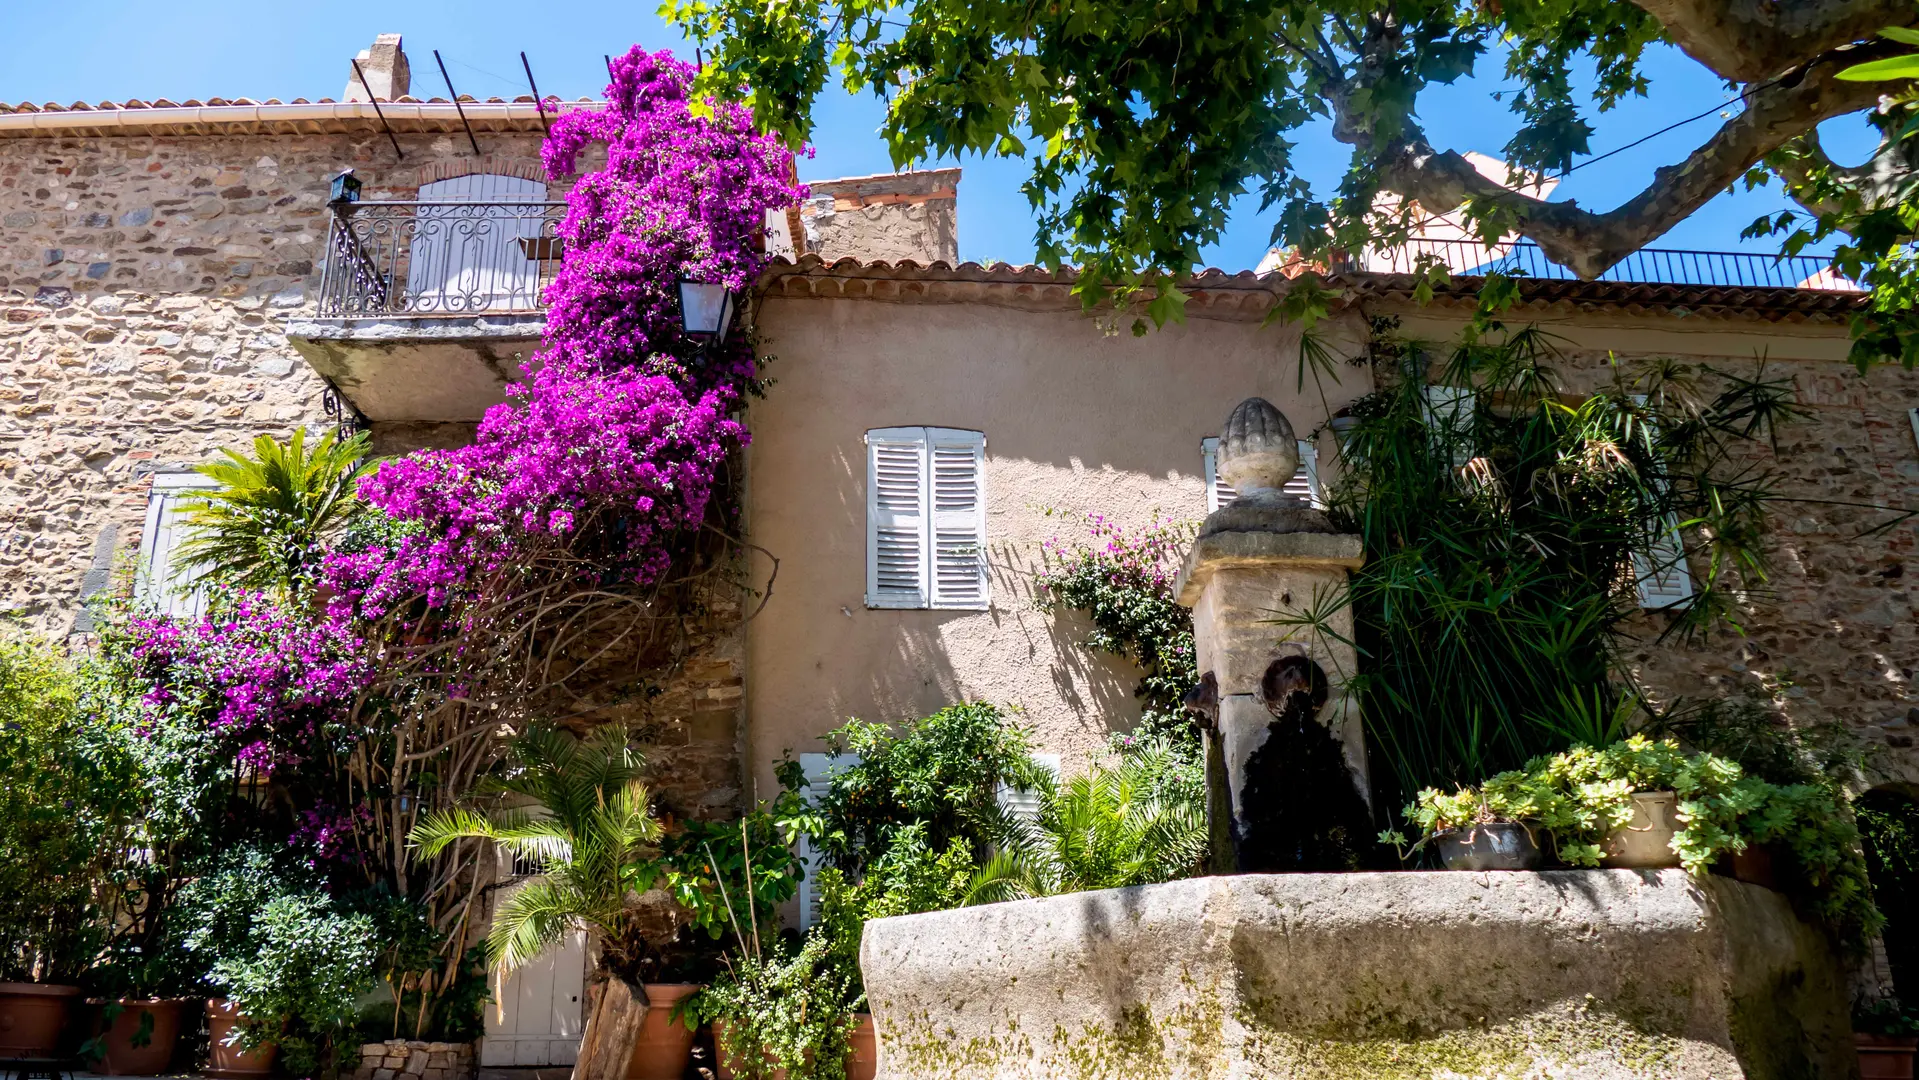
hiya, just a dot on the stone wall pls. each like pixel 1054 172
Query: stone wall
pixel 144 282
pixel 1833 635
pixel 911 215
pixel 411 1059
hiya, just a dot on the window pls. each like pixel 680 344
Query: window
pixel 925 518
pixel 159 582
pixel 487 256
pixel 1661 569
pixel 1022 803
pixel 1305 482
pixel 818 770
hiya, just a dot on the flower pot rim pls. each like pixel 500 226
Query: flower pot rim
pixel 40 989
pixel 142 1001
pixel 1890 1042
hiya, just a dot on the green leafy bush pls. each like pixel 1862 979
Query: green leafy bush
pixel 788 1010
pixel 942 772
pixel 301 987
pixel 1579 796
pixel 53 799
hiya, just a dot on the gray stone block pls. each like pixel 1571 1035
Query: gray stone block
pixel 1600 975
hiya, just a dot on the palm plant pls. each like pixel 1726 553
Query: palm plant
pixel 265 526
pixel 1106 829
pixel 585 825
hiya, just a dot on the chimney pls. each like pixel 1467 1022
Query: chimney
pixel 909 215
pixel 385 68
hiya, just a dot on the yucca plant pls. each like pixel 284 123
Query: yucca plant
pixel 1111 827
pixel 1506 519
pixel 266 525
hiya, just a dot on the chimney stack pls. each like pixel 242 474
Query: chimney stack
pixel 386 71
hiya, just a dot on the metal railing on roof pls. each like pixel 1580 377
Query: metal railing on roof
pixel 1470 258
pixel 439 258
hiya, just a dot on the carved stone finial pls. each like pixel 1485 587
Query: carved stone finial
pixel 1258 450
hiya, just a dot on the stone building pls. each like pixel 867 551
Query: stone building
pixel 173 281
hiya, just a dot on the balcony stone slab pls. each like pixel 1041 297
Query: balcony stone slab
pixel 1599 975
pixel 409 369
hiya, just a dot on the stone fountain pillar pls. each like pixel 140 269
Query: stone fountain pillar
pixel 1263 557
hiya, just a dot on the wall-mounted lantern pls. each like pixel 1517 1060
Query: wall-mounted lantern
pixel 346 188
pixel 706 311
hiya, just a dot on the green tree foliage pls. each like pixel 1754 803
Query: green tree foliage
pixel 265 526
pixel 1889 822
pixel 583 820
pixel 1499 579
pixel 1141 120
pixel 1108 828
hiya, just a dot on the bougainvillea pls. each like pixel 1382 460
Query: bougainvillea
pixel 1122 577
pixel 610 446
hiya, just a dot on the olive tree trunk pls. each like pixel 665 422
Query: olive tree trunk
pixel 612 1031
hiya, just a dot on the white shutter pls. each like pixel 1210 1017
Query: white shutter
pixel 159 583
pixel 896 513
pixel 958 553
pixel 1663 578
pixel 1022 803
pixel 818 769
pixel 1449 416
pixel 1305 481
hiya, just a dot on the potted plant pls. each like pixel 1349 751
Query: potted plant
pixel 227 1056
pixel 49 839
pixel 1484 829
pixel 1887 1036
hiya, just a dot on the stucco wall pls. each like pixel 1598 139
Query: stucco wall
pixel 1075 418
pixel 1834 634
pixel 144 284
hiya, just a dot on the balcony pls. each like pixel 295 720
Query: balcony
pixel 428 308
pixel 1649 266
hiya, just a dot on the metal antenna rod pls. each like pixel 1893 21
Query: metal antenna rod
pixel 537 103
pixel 397 152
pixel 455 95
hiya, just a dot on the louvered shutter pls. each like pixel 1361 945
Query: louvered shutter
pixel 1304 484
pixel 818 770
pixel 1663 579
pixel 159 582
pixel 896 518
pixel 959 518
pixel 1022 803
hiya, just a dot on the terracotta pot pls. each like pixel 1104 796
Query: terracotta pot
pixel 140 1040
pixel 32 1015
pixel 1755 866
pixel 1886 1057
pixel 230 1062
pixel 1645 842
pixel 665 1043
pixel 863 1056
pixel 1498 845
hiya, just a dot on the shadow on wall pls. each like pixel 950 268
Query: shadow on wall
pixel 1096 686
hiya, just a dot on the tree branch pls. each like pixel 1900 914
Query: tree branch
pixel 1820 185
pixel 1749 41
pixel 1589 243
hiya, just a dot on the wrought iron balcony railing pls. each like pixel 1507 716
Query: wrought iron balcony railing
pixel 1469 258
pixel 439 258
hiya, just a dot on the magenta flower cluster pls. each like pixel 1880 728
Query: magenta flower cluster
pixel 268 681
pixel 616 435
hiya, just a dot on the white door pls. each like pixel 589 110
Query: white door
pixel 539 1017
pixel 478 257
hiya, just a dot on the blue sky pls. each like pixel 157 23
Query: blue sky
pixel 114 49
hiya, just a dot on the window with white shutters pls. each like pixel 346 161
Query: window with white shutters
pixel 925 518
pixel 160 582
pixel 1304 484
pixel 1449 417
pixel 818 770
pixel 1021 802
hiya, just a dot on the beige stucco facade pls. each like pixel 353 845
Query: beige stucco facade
pixel 1077 419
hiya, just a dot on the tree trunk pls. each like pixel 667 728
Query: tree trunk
pixel 606 1050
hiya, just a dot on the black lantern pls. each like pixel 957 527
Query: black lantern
pixel 706 310
pixel 346 188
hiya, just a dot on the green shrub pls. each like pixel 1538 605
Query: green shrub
pixel 942 772
pixel 51 819
pixel 302 985
pixel 789 1009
